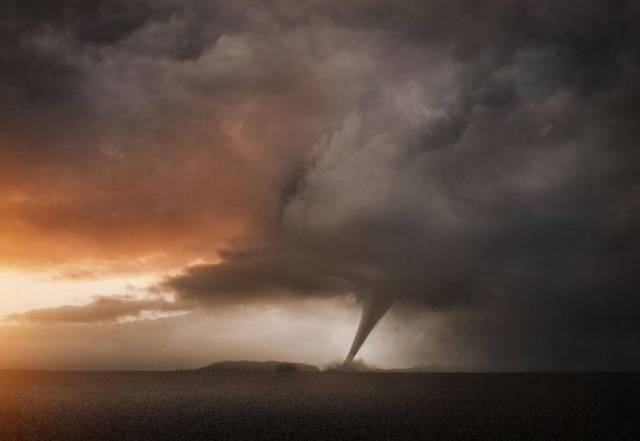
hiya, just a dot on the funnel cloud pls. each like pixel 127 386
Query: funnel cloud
pixel 372 312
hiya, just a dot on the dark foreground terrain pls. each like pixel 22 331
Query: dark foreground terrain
pixel 305 406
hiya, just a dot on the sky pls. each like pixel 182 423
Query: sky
pixel 189 181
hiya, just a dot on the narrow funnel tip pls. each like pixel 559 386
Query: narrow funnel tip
pixel 348 359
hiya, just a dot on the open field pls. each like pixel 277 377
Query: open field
pixel 46 406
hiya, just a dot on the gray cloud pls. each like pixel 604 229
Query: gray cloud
pixel 454 156
pixel 492 177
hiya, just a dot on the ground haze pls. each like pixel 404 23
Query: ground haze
pixel 306 406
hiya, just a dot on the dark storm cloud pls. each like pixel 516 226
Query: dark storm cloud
pixel 102 309
pixel 472 158
pixel 490 170
pixel 257 275
pixel 43 44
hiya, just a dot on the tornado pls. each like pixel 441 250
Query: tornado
pixel 372 311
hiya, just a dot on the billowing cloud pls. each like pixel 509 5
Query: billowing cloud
pixel 471 160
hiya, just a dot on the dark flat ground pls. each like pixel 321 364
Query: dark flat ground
pixel 41 406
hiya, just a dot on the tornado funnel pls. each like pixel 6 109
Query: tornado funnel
pixel 372 312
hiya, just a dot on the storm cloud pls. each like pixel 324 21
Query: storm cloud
pixel 478 161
